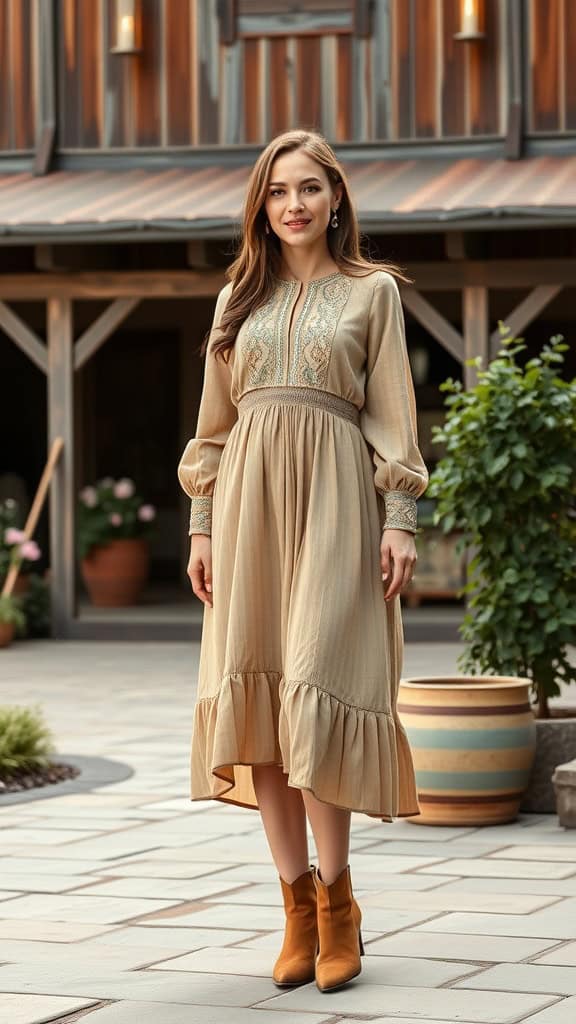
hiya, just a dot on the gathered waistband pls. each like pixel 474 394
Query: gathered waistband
pixel 305 396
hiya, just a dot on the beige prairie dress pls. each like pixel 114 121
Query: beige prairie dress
pixel 306 445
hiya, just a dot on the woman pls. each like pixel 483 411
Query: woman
pixel 303 478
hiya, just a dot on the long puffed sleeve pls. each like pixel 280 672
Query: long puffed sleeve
pixel 217 414
pixel 388 416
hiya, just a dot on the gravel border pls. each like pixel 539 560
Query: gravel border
pixel 94 772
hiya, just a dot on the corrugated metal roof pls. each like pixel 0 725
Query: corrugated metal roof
pixel 196 202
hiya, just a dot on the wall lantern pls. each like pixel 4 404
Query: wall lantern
pixel 127 27
pixel 471 19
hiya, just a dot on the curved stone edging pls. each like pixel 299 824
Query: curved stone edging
pixel 94 772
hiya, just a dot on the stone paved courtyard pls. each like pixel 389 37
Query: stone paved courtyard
pixel 130 903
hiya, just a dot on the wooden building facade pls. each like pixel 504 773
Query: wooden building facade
pixel 121 182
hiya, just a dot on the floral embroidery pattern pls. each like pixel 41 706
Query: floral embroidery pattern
pixel 262 343
pixel 315 330
pixel 265 340
pixel 200 514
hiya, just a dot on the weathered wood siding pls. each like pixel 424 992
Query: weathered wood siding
pixel 202 81
pixel 551 59
pixel 18 75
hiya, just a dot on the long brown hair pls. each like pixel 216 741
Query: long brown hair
pixel 259 257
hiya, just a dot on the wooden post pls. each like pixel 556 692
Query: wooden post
pixel 475 329
pixel 62 494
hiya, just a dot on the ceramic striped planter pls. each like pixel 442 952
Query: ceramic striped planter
pixel 473 741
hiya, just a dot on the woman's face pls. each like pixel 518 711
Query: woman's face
pixel 300 199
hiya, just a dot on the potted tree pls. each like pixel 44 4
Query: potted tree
pixel 506 481
pixel 113 525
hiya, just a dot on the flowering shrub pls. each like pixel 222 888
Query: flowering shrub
pixel 111 510
pixel 14 548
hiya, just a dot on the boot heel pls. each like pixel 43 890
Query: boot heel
pixel 361 943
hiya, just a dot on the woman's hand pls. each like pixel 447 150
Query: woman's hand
pixel 200 566
pixel 397 558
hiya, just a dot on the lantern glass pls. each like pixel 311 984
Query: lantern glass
pixel 127 27
pixel 471 20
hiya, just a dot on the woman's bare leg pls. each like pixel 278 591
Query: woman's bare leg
pixel 331 829
pixel 284 819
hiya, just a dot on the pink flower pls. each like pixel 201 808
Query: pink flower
pixel 116 519
pixel 14 536
pixel 89 497
pixel 146 513
pixel 30 550
pixel 124 488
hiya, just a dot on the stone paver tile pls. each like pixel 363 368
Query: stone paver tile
pixel 390 864
pixel 375 970
pixel 564 956
pixel 85 909
pixel 85 953
pixel 21 1009
pixel 47 866
pixel 563 1012
pixel 415 833
pixel 44 836
pixel 390 1000
pixel 559 981
pixel 170 888
pixel 488 948
pixel 544 924
pixel 439 850
pixel 514 835
pixel 440 900
pixel 45 883
pixel 168 869
pixel 119 844
pixel 155 986
pixel 383 920
pixel 556 853
pixel 178 939
pixel 534 886
pixel 49 931
pixel 490 867
pixel 9 894
pixel 218 916
pixel 86 826
pixel 136 1012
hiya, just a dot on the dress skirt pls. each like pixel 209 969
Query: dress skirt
pixel 301 655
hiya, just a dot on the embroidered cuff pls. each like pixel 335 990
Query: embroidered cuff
pixel 401 511
pixel 200 514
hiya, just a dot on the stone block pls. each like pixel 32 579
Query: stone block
pixel 564 782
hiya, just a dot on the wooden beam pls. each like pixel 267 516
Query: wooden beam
pixel 174 284
pixel 139 284
pixel 25 338
pixel 475 321
pixel 101 329
pixel 62 493
pixel 434 322
pixel 525 313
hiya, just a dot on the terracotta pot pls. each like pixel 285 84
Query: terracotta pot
pixel 6 634
pixel 473 741
pixel 115 573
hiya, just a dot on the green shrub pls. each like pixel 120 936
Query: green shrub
pixel 507 481
pixel 25 739
pixel 11 612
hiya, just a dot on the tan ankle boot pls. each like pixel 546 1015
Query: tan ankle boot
pixel 295 964
pixel 339 936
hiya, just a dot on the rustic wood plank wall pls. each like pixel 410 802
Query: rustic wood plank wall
pixel 409 79
pixel 551 65
pixel 18 75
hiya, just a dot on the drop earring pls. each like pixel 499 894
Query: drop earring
pixel 267 228
pixel 334 221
